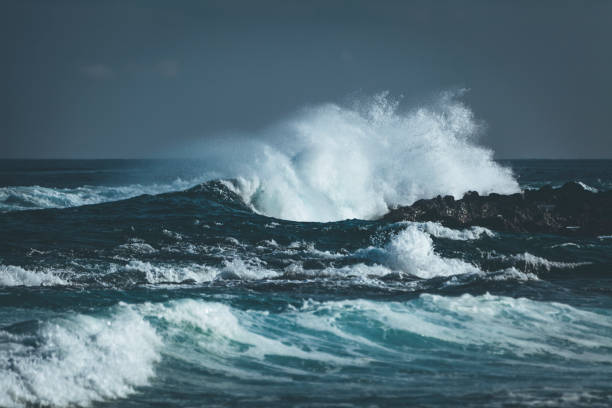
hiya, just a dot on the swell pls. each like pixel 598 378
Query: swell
pixel 19 198
pixel 404 256
pixel 76 360
pixel 570 209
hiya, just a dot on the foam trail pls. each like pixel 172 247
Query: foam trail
pixel 517 325
pixel 77 360
pixel 331 162
pixel 36 197
pixel 587 187
pixel 535 262
pixel 439 231
pixel 11 275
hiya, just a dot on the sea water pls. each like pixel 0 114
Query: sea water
pixel 261 275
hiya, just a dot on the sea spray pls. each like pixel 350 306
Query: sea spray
pixel 331 162
pixel 191 297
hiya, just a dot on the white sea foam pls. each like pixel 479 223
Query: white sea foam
pixel 238 268
pixel 234 268
pixel 508 274
pixel 171 234
pixel 81 359
pixel 534 261
pixel 511 274
pixel 11 275
pixel 330 162
pixel 359 270
pixel 78 360
pixel 309 248
pixel 566 244
pixel 224 333
pixel 169 273
pixel 412 251
pixel 136 245
pixel 439 231
pixel 499 324
pixel 502 324
pixel 138 272
pixel 36 197
pixel 587 187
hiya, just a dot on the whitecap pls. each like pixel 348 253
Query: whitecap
pixel 412 251
pixel 332 162
pixel 78 360
pixel 36 197
pixel 587 187
pixel 439 231
pixel 501 324
pixel 11 275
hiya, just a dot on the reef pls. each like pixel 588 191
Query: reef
pixel 568 210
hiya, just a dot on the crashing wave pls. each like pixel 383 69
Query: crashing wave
pixel 78 360
pixel 411 251
pixel 331 162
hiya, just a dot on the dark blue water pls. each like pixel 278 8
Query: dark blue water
pixel 132 283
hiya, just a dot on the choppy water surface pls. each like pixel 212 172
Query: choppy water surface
pixel 190 296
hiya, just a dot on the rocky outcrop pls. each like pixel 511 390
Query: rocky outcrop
pixel 567 210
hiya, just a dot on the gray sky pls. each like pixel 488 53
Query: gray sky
pixel 97 79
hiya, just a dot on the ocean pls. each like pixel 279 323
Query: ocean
pixel 132 283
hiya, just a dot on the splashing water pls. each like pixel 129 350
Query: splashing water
pixel 112 304
pixel 327 163
pixel 331 163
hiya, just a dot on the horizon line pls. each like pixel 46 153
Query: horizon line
pixel 196 158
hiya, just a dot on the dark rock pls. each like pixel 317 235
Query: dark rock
pixel 569 210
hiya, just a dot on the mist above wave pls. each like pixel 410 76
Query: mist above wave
pixel 331 162
pixel 326 163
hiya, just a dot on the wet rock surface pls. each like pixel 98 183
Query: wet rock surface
pixel 568 210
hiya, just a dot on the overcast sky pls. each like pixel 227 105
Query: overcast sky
pixel 98 79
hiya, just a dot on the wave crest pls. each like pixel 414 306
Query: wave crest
pixel 78 360
pixel 19 198
pixel 331 162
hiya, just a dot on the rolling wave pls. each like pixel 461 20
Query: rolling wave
pixel 36 197
pixel 83 358
pixel 76 360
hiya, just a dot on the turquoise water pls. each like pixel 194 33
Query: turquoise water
pixel 130 283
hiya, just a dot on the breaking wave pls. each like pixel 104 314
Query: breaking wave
pixel 77 360
pixel 328 163
pixel 411 251
pixel 82 359
pixel 332 163
pixel 11 275
pixel 36 197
